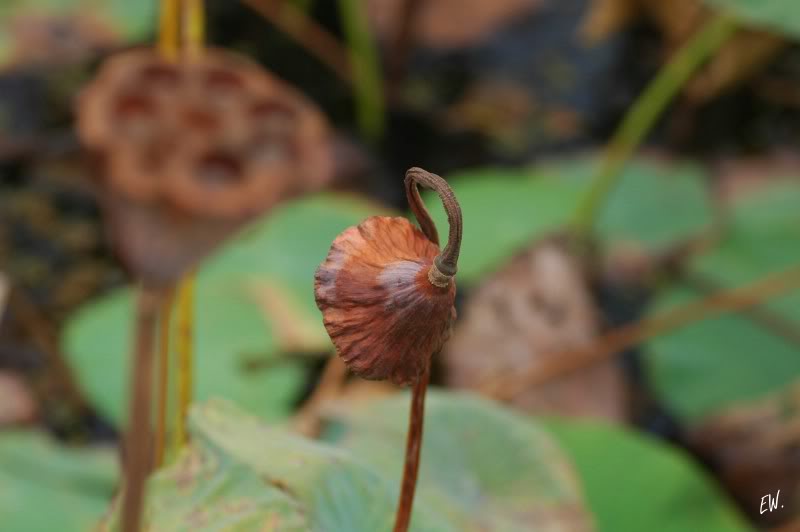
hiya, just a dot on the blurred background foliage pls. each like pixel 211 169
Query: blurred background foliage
pixel 513 102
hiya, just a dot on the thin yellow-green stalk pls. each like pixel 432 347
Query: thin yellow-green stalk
pixel 646 110
pixel 185 348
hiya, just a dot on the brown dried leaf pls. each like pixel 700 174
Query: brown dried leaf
pixel 736 178
pixel 17 404
pixel 793 526
pixel 754 446
pixel 58 38
pixel 536 306
pixel 743 56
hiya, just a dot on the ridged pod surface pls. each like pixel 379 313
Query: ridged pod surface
pixel 381 310
pixel 216 136
pixel 187 152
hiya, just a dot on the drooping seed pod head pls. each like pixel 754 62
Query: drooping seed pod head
pixel 386 292
pixel 189 151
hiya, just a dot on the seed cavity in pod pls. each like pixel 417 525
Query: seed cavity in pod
pixel 160 77
pixel 134 116
pixel 153 156
pixel 269 151
pixel 273 118
pixel 218 169
pixel 223 85
pixel 200 120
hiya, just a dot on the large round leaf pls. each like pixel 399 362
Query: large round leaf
pixel 706 366
pixel 44 487
pixel 290 243
pixel 634 483
pixel 503 211
pixel 309 486
pixel 655 205
pixel 230 335
pixel 761 237
pixel 775 15
pixel 241 475
pixel 236 348
pixel 483 467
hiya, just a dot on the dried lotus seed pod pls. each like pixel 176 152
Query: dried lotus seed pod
pixel 382 312
pixel 188 152
pixel 386 292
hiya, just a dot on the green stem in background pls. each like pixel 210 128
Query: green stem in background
pixel 366 68
pixel 646 110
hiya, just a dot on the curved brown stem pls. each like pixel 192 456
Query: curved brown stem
pixel 443 270
pixel 162 397
pixel 138 455
pixel 447 261
pixel 413 447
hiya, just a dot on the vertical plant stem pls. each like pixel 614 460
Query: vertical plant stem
pixel 169 29
pixel 162 406
pixel 194 27
pixel 138 456
pixel 185 350
pixel 366 68
pixel 646 110
pixel 413 446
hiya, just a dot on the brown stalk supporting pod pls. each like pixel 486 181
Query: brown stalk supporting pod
pixel 386 293
pixel 186 152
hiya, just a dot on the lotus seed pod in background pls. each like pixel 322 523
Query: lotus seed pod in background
pixel 188 152
pixel 384 315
